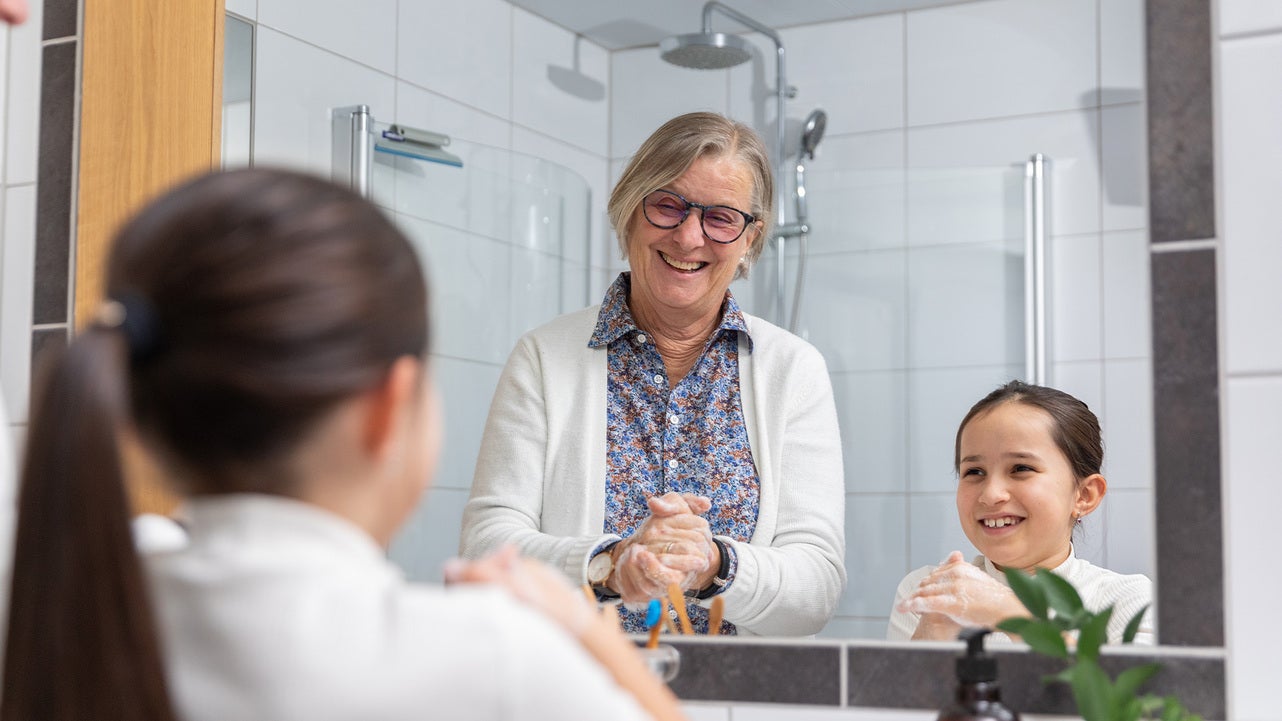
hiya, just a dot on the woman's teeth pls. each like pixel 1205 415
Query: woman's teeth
pixel 1000 522
pixel 679 265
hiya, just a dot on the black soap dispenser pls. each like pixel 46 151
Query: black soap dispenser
pixel 978 696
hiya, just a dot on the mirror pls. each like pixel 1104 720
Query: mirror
pixel 876 158
pixel 238 92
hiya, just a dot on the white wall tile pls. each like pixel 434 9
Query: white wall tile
pixel 5 32
pixel 647 92
pixel 1127 313
pixel 854 309
pixel 460 50
pixel 751 94
pixel 431 535
pixel 810 713
pixel 1074 314
pixel 872 413
pixel 1124 166
pixel 560 83
pixel 1131 539
pixel 537 283
pixel 937 402
pixel 18 266
pixel 20 126
pixel 297 86
pixel 705 712
pixel 243 8
pixel 1252 426
pixel 469 279
pixel 1122 52
pixel 432 111
pixel 1250 134
pixel 853 69
pixel 1244 16
pixel 999 58
pixel 934 530
pixel 965 181
pixel 876 553
pixel 855 192
pixel 591 169
pixel 1127 423
pixel 364 31
pixel 1084 380
pixel 966 305
pixel 466 388
pixel 476 198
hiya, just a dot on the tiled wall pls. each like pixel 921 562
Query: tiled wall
pixel 482 72
pixel 1249 87
pixel 38 87
pixel 916 201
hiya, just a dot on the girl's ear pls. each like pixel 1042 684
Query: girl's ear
pixel 388 402
pixel 1089 494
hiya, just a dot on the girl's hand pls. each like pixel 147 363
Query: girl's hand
pixel 964 594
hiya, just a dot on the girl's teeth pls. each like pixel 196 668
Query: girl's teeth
pixel 1000 522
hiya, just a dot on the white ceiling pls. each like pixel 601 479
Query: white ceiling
pixel 618 24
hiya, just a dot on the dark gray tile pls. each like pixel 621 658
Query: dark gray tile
pixel 54 183
pixel 759 673
pixel 1181 151
pixel 924 678
pixel 61 19
pixel 1186 427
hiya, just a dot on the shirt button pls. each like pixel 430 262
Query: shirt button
pixel 672 463
pixel 640 337
pixel 674 419
pixel 658 378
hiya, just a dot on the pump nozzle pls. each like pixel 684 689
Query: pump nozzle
pixel 976 666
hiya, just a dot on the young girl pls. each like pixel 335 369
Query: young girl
pixel 267 338
pixel 1028 463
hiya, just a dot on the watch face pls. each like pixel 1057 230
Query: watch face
pixel 599 568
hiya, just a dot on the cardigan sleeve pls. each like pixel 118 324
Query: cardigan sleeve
pixel 790 584
pixel 507 499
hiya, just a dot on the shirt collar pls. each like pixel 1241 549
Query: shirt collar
pixel 614 320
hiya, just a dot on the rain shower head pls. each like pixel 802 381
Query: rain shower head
pixel 705 51
pixel 812 132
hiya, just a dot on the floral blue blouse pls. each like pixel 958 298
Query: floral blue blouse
pixel 688 438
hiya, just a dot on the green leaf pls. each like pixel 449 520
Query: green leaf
pixel 1060 593
pixel 1017 624
pixel 1094 632
pixel 1065 676
pixel 1029 591
pixel 1129 681
pixel 1092 691
pixel 1133 626
pixel 1044 639
pixel 1131 708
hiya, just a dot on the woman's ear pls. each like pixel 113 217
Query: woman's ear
pixel 389 402
pixel 1089 494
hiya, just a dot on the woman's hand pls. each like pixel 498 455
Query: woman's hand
pixel 963 594
pixel 673 545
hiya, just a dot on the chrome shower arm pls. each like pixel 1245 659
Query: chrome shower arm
pixel 730 12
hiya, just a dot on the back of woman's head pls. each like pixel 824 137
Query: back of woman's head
pixel 1074 428
pixel 243 307
pixel 672 149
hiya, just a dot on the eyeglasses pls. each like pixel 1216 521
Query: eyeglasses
pixel 721 223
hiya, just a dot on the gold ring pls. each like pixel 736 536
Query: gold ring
pixel 668 548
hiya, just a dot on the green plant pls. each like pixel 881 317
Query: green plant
pixel 1056 610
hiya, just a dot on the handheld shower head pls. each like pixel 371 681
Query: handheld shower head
pixel 812 132
pixel 705 51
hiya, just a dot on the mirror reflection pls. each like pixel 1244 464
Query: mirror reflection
pixel 909 278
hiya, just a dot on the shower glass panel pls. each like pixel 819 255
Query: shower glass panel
pixel 505 242
pixel 914 293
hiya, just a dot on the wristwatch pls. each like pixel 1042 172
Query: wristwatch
pixel 600 567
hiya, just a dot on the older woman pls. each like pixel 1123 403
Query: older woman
pixel 666 436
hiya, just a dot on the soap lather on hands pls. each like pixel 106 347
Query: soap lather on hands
pixel 958 593
pixel 671 546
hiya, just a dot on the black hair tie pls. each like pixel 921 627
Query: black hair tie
pixel 134 316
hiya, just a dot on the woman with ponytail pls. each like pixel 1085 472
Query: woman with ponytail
pixel 266 338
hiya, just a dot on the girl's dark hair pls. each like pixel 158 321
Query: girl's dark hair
pixel 1074 427
pixel 254 301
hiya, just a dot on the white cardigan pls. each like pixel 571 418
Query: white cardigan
pixel 541 474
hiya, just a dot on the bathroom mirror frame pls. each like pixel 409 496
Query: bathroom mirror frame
pixel 1187 491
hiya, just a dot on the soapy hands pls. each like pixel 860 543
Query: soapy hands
pixel 673 545
pixel 959 594
pixel 536 584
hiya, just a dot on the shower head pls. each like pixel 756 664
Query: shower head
pixel 705 51
pixel 812 132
